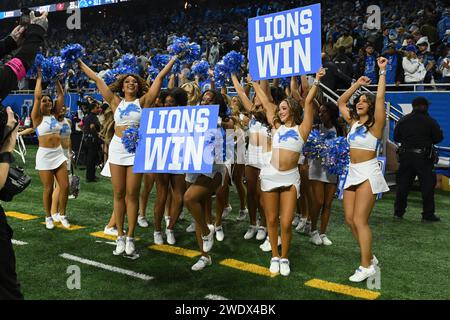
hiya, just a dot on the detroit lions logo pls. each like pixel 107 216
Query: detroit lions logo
pixel 130 108
pixel 291 134
pixel 359 132
pixel 53 123
pixel 65 128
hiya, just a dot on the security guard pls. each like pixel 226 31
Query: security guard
pixel 417 133
pixel 92 142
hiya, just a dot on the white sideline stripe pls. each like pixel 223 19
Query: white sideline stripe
pixel 215 297
pixel 18 242
pixel 106 267
pixel 107 242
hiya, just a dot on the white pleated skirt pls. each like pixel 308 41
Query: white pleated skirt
pixel 272 178
pixel 217 168
pixel 50 158
pixel 118 155
pixel 318 173
pixel 368 170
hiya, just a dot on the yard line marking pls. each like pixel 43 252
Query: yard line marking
pixel 248 267
pixel 101 234
pixel 107 267
pixel 18 242
pixel 73 227
pixel 175 250
pixel 107 242
pixel 215 297
pixel 21 216
pixel 343 289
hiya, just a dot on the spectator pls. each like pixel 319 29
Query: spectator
pixel 444 66
pixel 343 62
pixel 414 69
pixel 345 41
pixel 394 68
pixel 426 57
pixel 330 48
pixel 368 64
pixel 333 75
pixel 444 24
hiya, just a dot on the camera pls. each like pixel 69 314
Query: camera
pixel 25 18
pixel 4 132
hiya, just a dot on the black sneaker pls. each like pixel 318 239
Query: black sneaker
pixel 430 218
pixel 398 216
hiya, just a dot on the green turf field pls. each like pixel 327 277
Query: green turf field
pixel 414 256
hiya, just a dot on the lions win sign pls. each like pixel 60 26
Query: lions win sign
pixel 285 44
pixel 175 140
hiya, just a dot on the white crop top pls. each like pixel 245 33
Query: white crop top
pixel 361 138
pixel 288 138
pixel 257 127
pixel 128 113
pixel 65 129
pixel 49 125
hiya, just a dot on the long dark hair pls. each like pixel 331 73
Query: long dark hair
pixel 333 112
pixel 294 108
pixel 371 113
pixel 218 99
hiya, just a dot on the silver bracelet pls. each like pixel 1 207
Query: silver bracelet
pixel 316 82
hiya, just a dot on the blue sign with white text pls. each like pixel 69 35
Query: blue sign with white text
pixel 176 140
pixel 285 44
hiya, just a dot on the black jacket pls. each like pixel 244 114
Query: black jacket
pixel 418 130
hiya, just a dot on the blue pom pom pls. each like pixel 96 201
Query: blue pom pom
pixel 130 139
pixel 33 71
pixel 200 69
pixel 52 68
pixel 220 74
pixel 109 77
pixel 72 52
pixel 153 72
pixel 337 159
pixel 126 64
pixel 160 60
pixel 233 61
pixel 187 51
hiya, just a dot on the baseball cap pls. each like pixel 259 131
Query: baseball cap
pixel 411 48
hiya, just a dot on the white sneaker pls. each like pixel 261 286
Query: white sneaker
pixel 219 233
pixel 71 196
pixel 120 246
pixel 191 227
pixel 362 273
pixel 226 211
pixel 167 220
pixel 242 215
pixel 374 261
pixel 49 223
pixel 300 225
pixel 266 245
pixel 325 240
pixel 315 238
pixel 296 220
pixel 64 221
pixel 181 216
pixel 202 263
pixel 110 231
pixel 208 241
pixel 142 221
pixel 285 270
pixel 262 233
pixel 170 234
pixel 158 238
pixel 211 227
pixel 251 232
pixel 56 217
pixel 129 246
pixel 274 265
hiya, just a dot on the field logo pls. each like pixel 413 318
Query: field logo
pixel 74 280
pixel 374 282
pixel 374 17
pixel 285 44
pixel 74 21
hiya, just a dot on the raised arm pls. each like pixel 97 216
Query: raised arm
pixel 149 98
pixel 380 111
pixel 248 105
pixel 343 100
pixel 308 112
pixel 294 91
pixel 36 115
pixel 268 106
pixel 171 83
pixel 60 97
pixel 105 91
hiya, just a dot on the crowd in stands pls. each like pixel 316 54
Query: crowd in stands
pixel 414 36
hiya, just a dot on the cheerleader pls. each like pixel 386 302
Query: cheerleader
pixel 202 186
pixel 323 185
pixel 258 153
pixel 66 145
pixel 50 159
pixel 280 181
pixel 367 118
pixel 126 97
pixel 175 97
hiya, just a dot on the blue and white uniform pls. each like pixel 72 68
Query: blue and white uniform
pixel 317 172
pixel 256 157
pixel 361 138
pixel 127 114
pixel 272 178
pixel 65 133
pixel 49 158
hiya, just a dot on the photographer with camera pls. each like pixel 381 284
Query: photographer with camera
pixel 12 180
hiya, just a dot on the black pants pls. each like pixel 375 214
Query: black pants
pixel 92 158
pixel 9 287
pixel 412 165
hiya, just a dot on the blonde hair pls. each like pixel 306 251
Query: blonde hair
pixel 107 130
pixel 193 91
